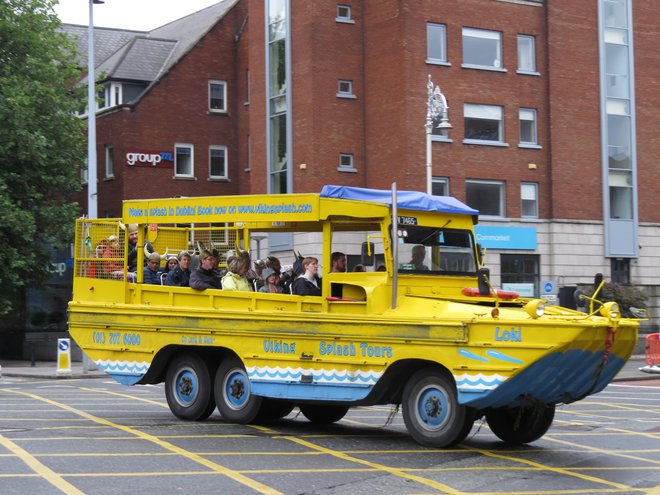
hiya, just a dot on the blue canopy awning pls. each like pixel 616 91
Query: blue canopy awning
pixel 406 200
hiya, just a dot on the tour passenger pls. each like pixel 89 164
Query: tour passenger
pixel 338 261
pixel 180 275
pixel 132 247
pixel 271 282
pixel 151 271
pixel 206 276
pixel 237 268
pixel 308 284
pixel 112 250
pixel 418 255
pixel 359 268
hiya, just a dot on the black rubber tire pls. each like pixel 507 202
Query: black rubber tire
pixel 233 394
pixel 273 409
pixel 322 414
pixel 470 418
pixel 189 387
pixel 431 411
pixel 520 425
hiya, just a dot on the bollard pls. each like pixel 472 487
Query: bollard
pixel 63 357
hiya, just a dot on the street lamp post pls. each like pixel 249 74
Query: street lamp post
pixel 92 197
pixel 436 106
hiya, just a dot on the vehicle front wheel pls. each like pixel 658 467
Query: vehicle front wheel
pixel 431 411
pixel 523 424
pixel 233 394
pixel 188 388
pixel 323 415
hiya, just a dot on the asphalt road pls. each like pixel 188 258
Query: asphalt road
pixel 96 437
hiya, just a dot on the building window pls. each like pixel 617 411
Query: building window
pixel 344 14
pixel 345 89
pixel 346 163
pixel 278 69
pixel 248 162
pixel 527 54
pixel 109 161
pixel 483 124
pixel 520 273
pixel 84 172
pixel 247 87
pixel 620 270
pixel 184 160
pixel 436 43
pixel 217 162
pixel 440 186
pixel 486 196
pixel 529 200
pixel 482 49
pixel 217 96
pixel 528 128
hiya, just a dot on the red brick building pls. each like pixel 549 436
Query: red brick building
pixel 553 108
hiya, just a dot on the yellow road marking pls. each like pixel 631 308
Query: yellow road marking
pixel 563 471
pixel 41 469
pixel 376 466
pixel 602 451
pixel 126 396
pixel 244 480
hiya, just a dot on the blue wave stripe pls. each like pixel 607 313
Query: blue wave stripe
pixel 291 376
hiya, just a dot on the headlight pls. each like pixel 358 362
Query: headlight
pixel 610 310
pixel 535 308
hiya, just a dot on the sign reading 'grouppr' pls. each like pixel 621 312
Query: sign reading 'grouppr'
pixel 160 159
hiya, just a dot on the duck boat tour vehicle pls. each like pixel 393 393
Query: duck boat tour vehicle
pixel 424 328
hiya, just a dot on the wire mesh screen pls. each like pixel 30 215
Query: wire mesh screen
pixel 102 246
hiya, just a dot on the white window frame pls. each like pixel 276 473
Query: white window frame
pixel 436 37
pixel 483 34
pixel 224 96
pixel 527 47
pixel 494 113
pixel 501 203
pixel 528 115
pixel 346 162
pixel 344 14
pixel 345 89
pixel 443 181
pixel 109 161
pixel 191 147
pixel 217 147
pixel 529 192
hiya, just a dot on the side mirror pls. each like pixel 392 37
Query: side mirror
pixel 481 255
pixel 367 256
pixel 482 279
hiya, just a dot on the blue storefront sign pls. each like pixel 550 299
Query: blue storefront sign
pixel 494 237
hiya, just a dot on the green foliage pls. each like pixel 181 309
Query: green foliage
pixel 42 142
pixel 625 295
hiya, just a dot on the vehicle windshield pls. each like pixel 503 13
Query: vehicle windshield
pixel 435 250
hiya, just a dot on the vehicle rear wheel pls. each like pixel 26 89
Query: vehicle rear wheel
pixel 323 415
pixel 523 424
pixel 189 388
pixel 233 393
pixel 431 410
pixel 272 409
pixel 470 418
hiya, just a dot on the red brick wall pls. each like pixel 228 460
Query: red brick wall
pixel 647 81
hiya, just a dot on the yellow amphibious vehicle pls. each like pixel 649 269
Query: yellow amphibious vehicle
pixel 425 329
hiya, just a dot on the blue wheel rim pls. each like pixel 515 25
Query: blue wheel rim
pixel 236 389
pixel 186 387
pixel 433 408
